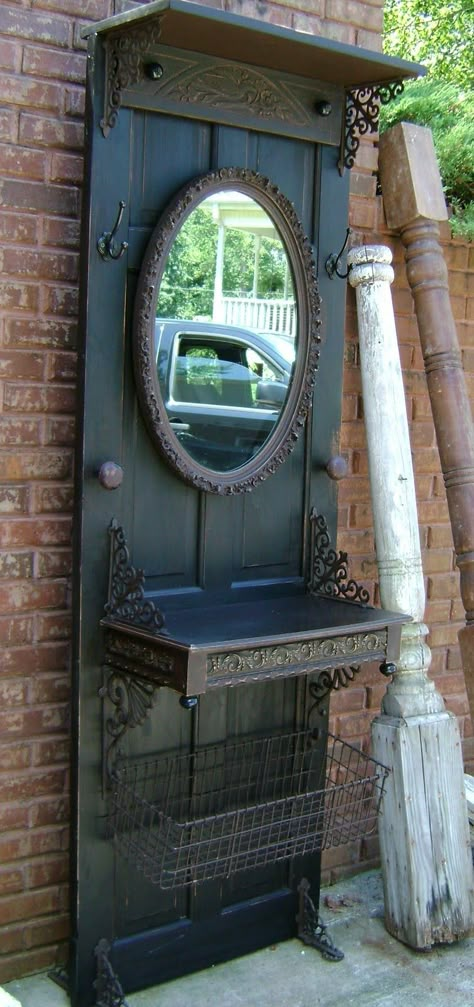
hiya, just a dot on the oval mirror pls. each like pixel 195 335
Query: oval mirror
pixel 226 331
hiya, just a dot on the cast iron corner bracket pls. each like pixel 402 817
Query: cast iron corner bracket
pixel 311 930
pixel 329 575
pixel 109 992
pixel 362 116
pixel 127 586
pixel 132 699
pixel 329 680
pixel 125 66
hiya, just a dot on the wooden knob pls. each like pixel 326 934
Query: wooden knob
pixel 336 467
pixel 110 475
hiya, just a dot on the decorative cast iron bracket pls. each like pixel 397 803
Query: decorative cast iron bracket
pixel 329 575
pixel 328 681
pixel 108 989
pixel 362 116
pixel 127 586
pixel 124 52
pixel 311 929
pixel 132 699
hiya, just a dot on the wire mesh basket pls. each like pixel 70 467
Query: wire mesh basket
pixel 182 819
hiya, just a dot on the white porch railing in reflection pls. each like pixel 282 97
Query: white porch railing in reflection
pixel 257 313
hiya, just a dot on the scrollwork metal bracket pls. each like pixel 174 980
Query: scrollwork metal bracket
pixel 132 698
pixel 362 116
pixel 311 929
pixel 331 680
pixel 127 586
pixel 108 989
pixel 125 65
pixel 329 575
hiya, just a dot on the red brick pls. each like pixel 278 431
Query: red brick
pixel 15 296
pixel 61 233
pixel 40 658
pixel 16 938
pixel 11 880
pixel 40 61
pixel 16 564
pixel 29 962
pixel 18 90
pixel 362 213
pixel 62 367
pixel 25 195
pixel 27 905
pixel 22 161
pixel 8 124
pixel 352 12
pixel 50 811
pixel 49 689
pixel 53 626
pixel 53 499
pixel 45 265
pixel 60 431
pixel 67 168
pixel 19 229
pixel 438 561
pixel 40 532
pixel 46 753
pixel 61 301
pixel 21 364
pixel 17 756
pixel 74 102
pixel 340 32
pixel 39 398
pixel 48 132
pixel 369 40
pixel 9 55
pixel 53 563
pixel 32 843
pixel 49 333
pixel 13 817
pixel 15 630
pixel 308 23
pixel 362 184
pixel 49 870
pixel 19 431
pixel 26 595
pixel 42 464
pixel 442 636
pixel 27 723
pixel 93 10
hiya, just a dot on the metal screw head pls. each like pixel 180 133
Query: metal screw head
pixel 154 71
pixel 323 108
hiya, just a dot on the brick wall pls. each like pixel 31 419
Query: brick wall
pixel 42 66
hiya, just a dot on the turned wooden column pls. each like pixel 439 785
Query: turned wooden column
pixel 414 202
pixel 423 828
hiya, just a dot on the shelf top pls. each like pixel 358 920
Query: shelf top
pixel 187 25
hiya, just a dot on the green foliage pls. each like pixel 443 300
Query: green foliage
pixel 187 285
pixel 441 36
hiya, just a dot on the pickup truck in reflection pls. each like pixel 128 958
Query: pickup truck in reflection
pixel 223 387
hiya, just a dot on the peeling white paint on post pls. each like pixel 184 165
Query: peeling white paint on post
pixel 424 833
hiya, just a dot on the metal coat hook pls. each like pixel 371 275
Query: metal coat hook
pixel 106 246
pixel 333 260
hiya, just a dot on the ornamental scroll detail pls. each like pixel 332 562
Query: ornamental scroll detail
pixel 236 89
pixel 329 573
pixel 124 52
pixel 362 115
pixel 126 586
pixel 363 645
pixel 132 699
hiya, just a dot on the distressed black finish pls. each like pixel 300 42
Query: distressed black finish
pixel 206 556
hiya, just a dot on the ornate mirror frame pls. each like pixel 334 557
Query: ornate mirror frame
pixel 298 402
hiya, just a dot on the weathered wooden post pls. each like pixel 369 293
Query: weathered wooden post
pixel 424 835
pixel 414 203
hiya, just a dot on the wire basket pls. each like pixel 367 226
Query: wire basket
pixel 182 819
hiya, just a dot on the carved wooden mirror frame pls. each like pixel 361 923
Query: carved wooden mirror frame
pixel 283 437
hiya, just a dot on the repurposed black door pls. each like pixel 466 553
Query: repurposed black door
pixel 189 543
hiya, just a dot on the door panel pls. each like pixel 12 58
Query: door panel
pixel 186 542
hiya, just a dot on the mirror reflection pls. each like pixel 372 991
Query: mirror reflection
pixel 225 333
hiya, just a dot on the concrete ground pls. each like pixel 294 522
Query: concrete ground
pixel 377 970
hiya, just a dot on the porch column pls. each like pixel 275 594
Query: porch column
pixel 414 203
pixel 423 828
